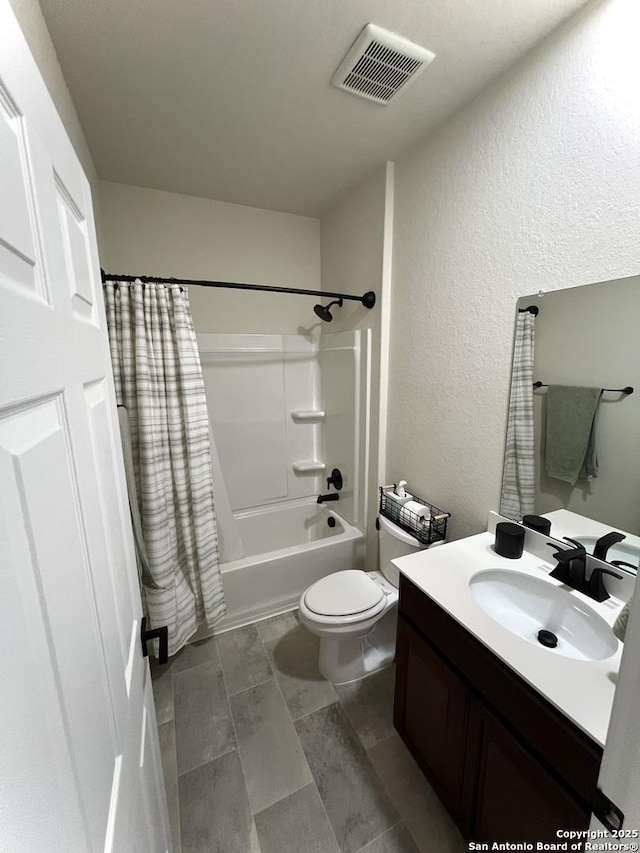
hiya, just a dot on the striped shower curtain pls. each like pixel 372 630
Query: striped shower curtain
pixel 518 496
pixel 158 379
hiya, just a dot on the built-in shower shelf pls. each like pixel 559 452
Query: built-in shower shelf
pixel 309 415
pixel 310 466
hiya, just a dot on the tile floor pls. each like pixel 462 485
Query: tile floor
pixel 262 755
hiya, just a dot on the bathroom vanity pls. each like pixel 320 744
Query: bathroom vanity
pixel 509 733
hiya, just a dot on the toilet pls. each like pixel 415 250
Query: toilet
pixel 354 612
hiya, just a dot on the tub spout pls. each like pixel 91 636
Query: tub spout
pixel 334 496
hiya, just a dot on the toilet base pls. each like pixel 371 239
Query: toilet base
pixel 349 659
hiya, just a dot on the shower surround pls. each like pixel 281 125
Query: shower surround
pixel 285 410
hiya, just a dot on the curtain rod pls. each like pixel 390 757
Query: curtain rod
pixel 368 300
pixel 627 390
pixel 531 309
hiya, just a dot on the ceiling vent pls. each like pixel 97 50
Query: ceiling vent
pixel 380 64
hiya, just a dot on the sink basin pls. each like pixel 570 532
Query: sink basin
pixel 526 605
pixel 619 551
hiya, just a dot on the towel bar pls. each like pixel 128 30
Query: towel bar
pixel 627 390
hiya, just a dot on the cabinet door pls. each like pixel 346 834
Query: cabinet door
pixel 431 712
pixel 516 798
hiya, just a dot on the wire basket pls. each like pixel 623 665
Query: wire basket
pixel 425 530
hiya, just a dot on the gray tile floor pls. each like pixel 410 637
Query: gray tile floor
pixel 262 755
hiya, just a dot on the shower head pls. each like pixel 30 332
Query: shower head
pixel 324 313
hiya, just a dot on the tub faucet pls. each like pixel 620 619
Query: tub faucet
pixel 335 479
pixel 334 496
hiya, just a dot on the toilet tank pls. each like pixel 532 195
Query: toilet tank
pixel 394 542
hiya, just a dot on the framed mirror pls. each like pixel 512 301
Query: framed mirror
pixel 584 338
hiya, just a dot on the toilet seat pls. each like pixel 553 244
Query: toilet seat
pixel 352 644
pixel 354 614
pixel 348 595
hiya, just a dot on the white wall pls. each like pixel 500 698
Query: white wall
pixel 158 233
pixel 356 256
pixel 535 185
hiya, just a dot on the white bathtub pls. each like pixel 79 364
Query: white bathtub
pixel 288 546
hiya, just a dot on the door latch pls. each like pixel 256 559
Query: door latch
pixel 607 812
pixel 159 634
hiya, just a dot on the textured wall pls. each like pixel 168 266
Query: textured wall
pixel 535 185
pixel 159 233
pixel 352 250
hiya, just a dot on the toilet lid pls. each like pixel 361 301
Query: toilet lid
pixel 343 594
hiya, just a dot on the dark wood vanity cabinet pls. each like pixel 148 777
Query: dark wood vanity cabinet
pixel 504 762
pixel 431 713
pixel 513 796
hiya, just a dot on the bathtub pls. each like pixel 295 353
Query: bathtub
pixel 287 547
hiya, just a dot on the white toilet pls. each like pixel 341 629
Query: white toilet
pixel 354 613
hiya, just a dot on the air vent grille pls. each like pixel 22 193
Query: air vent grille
pixel 380 64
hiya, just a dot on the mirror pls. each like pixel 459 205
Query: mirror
pixel 590 336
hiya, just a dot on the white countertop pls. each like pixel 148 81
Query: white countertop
pixel 567 523
pixel 582 690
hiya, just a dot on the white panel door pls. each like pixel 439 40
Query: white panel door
pixel 80 757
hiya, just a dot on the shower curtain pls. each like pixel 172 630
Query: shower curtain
pixel 518 496
pixel 158 379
